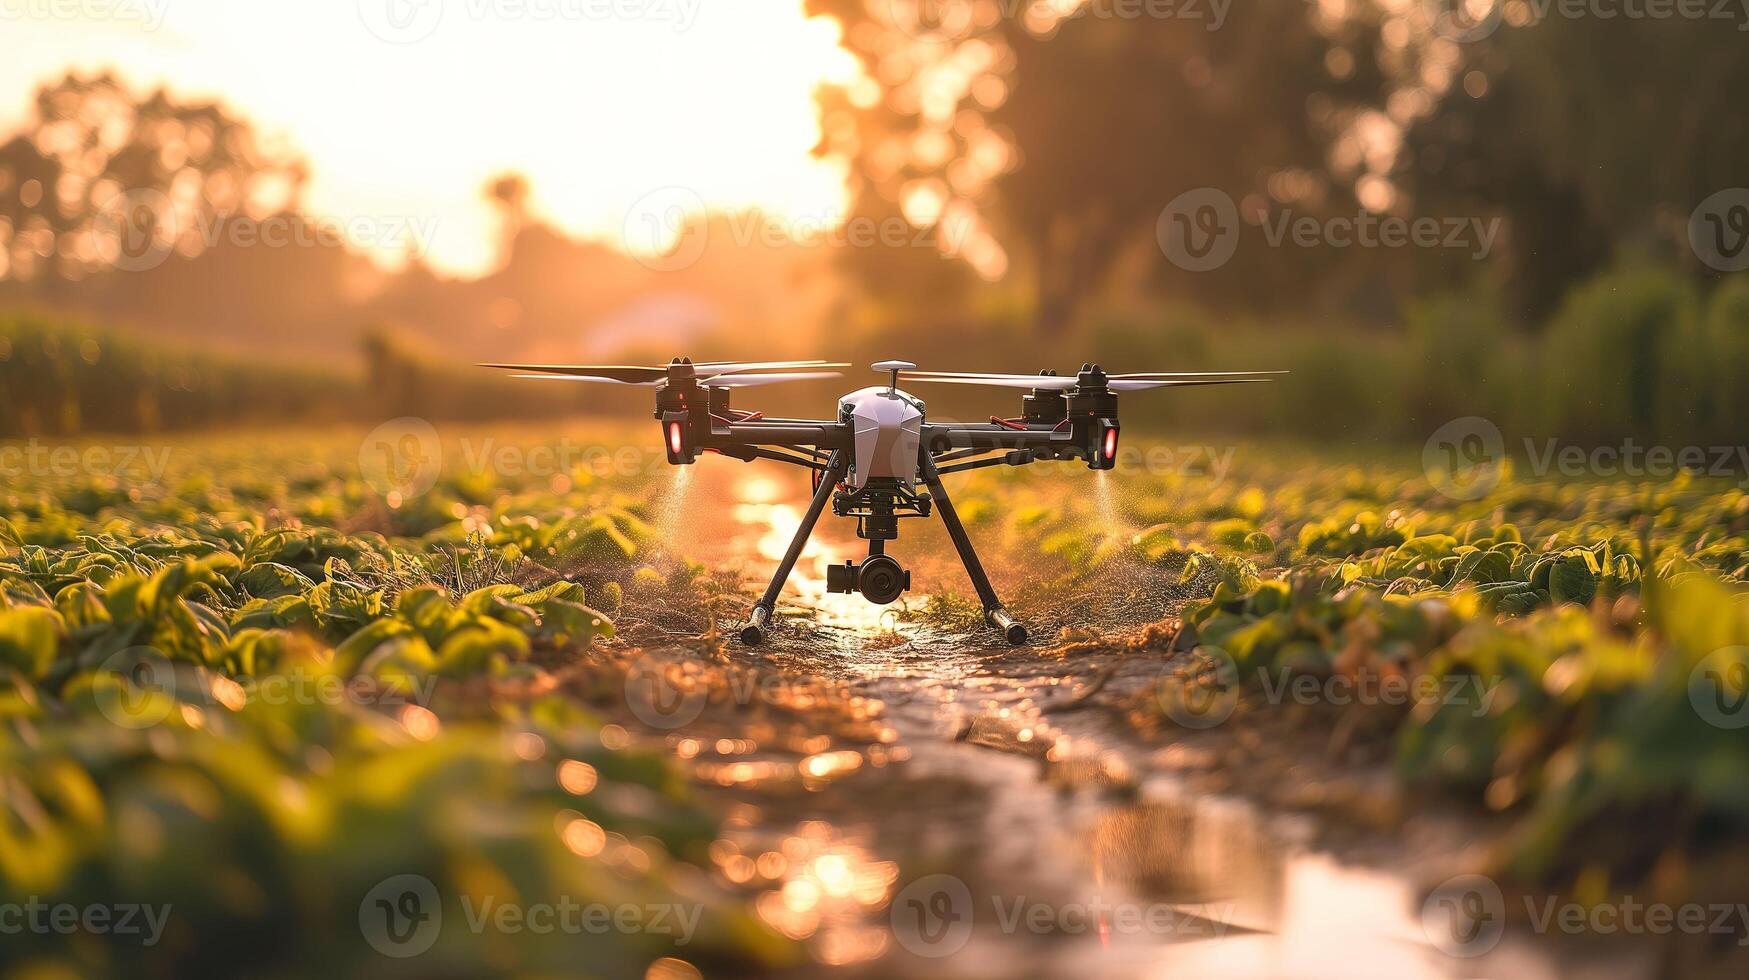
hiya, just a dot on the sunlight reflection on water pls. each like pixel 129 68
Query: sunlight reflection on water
pixel 776 524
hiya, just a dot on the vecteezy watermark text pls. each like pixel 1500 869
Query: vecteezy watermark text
pixel 1466 458
pixel 129 919
pixel 1213 462
pixel 1364 229
pixel 1206 694
pixel 1634 460
pixel 1200 230
pixel 666 230
pixel 934 916
pixel 412 21
pixel 941 19
pixel 141 228
pixel 36 460
pixel 402 916
pixel 150 13
pixel 152 688
pixel 1466 915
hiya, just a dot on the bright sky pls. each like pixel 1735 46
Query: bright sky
pixel 405 108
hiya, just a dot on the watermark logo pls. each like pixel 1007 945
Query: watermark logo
pixel 668 230
pixel 1465 916
pixel 1199 229
pixel 1205 694
pixel 932 916
pixel 1463 20
pixel 401 459
pixel 1464 458
pixel 139 687
pixel 1718 230
pixel 661 694
pixel 665 229
pixel 401 21
pixel 412 21
pixel 932 20
pixel 948 20
pixel 402 916
pixel 1718 688
pixel 1204 691
pixel 136 230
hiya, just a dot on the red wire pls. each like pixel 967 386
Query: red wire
pixel 739 417
pixel 1007 423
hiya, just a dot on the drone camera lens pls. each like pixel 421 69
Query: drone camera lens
pixel 881 579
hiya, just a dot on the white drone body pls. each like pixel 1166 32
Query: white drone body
pixel 887 424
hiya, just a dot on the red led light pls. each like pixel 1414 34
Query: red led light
pixel 1110 443
pixel 674 443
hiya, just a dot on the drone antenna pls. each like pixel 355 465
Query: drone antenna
pixel 893 368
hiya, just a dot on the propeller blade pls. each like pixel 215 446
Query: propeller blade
pixel 636 373
pixel 1117 382
pixel 1131 384
pixel 1175 375
pixel 585 377
pixel 754 380
pixel 1045 381
pixel 735 367
pixel 624 373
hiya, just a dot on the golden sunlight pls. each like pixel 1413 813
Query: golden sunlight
pixel 604 105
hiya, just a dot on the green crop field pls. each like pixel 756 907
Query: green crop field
pixel 247 678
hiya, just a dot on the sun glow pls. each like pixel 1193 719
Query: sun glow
pixel 406 108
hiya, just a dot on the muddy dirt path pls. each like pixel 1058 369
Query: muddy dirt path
pixel 1005 836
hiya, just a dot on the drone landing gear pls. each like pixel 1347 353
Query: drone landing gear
pixel 994 612
pixel 759 620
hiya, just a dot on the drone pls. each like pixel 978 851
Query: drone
pixel 881 459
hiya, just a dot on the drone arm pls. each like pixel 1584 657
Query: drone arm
pixel 751 453
pixel 1018 457
pixel 959 454
pixel 990 437
pixel 825 435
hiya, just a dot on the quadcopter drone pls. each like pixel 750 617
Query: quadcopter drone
pixel 867 463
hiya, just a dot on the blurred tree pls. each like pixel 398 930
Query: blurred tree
pixel 509 195
pixel 1592 136
pixel 1047 135
pixel 102 180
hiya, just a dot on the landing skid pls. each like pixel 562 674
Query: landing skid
pixel 760 619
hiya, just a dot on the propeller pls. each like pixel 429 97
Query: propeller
pixel 1116 382
pixel 642 374
pixel 755 380
pixel 718 381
